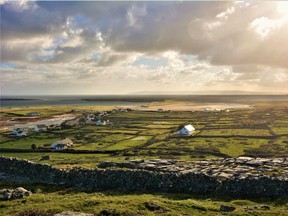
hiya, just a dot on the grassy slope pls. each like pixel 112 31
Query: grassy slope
pixel 55 199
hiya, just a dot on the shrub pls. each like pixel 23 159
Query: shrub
pixel 34 146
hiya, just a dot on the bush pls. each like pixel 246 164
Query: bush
pixel 34 146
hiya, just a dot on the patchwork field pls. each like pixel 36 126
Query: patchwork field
pixel 261 131
pixel 258 132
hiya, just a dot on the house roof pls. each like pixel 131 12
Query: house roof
pixel 23 128
pixel 189 127
pixel 21 132
pixel 64 141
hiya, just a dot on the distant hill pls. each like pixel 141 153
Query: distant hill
pixel 234 92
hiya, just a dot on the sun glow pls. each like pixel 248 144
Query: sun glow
pixel 282 7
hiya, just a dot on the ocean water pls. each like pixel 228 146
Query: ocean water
pixel 24 101
pixel 128 100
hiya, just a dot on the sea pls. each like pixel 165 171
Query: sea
pixel 127 100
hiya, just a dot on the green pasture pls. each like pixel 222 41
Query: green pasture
pixel 53 199
pixel 138 131
pixel 236 132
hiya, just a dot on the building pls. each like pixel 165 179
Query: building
pixel 187 130
pixel 33 114
pixel 211 110
pixel 40 127
pixel 20 132
pixel 73 122
pixel 61 147
pixel 62 144
pixel 102 122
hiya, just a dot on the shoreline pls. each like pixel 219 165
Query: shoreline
pixel 190 106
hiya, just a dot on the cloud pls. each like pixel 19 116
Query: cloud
pixel 264 26
pixel 110 58
pixel 133 15
pixel 192 43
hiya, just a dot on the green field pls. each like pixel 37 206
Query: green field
pixel 52 199
pixel 258 132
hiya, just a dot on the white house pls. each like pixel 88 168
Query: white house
pixel 61 144
pixel 102 122
pixel 20 132
pixel 187 130
pixel 40 127
pixel 33 114
pixel 73 122
pixel 61 147
pixel 15 130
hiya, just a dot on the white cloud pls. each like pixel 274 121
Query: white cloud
pixel 98 42
pixel 133 15
pixel 264 26
pixel 73 41
pixel 20 5
pixel 224 15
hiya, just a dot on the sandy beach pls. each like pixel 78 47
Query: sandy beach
pixel 31 122
pixel 190 106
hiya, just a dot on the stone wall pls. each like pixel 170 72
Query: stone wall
pixel 156 180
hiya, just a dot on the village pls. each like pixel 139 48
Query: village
pixel 87 118
pixel 130 133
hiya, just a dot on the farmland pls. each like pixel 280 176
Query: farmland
pixel 260 131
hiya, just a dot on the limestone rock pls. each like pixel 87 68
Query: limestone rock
pixel 152 206
pixel 18 193
pixel 224 208
pixel 69 213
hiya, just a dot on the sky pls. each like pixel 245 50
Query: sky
pixel 123 47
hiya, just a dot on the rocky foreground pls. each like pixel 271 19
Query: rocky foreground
pixel 236 168
pixel 243 176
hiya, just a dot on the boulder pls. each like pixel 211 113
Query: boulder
pixel 7 194
pixel 108 212
pixel 22 191
pixel 224 208
pixel 18 193
pixel 152 206
pixel 69 213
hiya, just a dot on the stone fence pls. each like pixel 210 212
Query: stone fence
pixel 156 180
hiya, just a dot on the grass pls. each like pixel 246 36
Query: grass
pixel 142 132
pixel 235 132
pixel 126 144
pixel 54 199
pixel 26 142
pixel 138 129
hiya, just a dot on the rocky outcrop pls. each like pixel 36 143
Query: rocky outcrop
pixel 241 176
pixel 18 193
pixel 69 213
